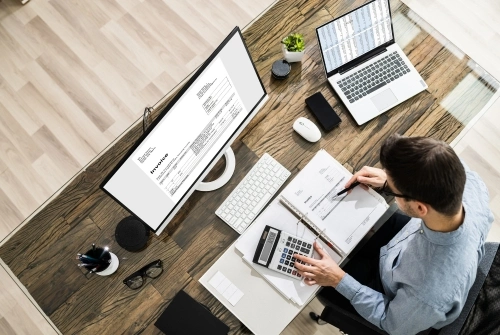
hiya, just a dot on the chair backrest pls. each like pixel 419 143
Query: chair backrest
pixel 491 256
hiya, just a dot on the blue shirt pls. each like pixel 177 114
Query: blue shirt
pixel 426 274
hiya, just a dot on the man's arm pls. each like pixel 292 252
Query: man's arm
pixel 405 314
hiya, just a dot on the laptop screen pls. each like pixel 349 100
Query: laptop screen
pixel 354 34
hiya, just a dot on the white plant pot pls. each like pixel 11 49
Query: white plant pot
pixel 292 57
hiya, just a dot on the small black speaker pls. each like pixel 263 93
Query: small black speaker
pixel 131 234
pixel 281 69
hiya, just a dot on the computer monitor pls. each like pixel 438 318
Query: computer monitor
pixel 172 157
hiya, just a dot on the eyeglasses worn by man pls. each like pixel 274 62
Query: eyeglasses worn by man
pixel 416 271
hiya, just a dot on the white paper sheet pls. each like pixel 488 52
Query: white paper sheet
pixel 226 288
pixel 346 219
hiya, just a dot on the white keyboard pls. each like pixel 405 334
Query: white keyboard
pixel 252 193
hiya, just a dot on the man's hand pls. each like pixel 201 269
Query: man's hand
pixel 324 271
pixel 369 176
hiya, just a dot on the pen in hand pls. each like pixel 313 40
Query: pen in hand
pixel 353 185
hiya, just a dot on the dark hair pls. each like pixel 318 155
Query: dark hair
pixel 425 169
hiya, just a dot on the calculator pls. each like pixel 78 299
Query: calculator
pixel 276 249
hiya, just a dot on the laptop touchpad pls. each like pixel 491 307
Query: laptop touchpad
pixel 384 99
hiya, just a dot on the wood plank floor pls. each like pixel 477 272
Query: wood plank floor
pixel 74 74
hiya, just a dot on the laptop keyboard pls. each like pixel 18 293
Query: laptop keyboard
pixel 373 77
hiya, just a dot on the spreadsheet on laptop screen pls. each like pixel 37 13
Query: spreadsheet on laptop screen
pixel 355 34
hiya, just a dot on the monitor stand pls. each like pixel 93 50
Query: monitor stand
pixel 224 177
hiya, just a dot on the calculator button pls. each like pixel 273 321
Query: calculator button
pixel 292 264
pixel 290 252
pixel 294 240
pixel 288 257
pixel 299 242
pixel 292 246
pixel 297 247
pixel 299 275
pixel 309 246
pixel 304 250
pixel 289 238
pixel 289 271
pixel 283 255
pixel 286 250
pixel 287 244
pixel 283 269
pixel 279 267
pixel 287 262
pixel 294 272
pixel 282 260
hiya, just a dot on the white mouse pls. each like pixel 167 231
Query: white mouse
pixel 307 129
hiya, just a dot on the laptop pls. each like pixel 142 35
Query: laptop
pixel 364 65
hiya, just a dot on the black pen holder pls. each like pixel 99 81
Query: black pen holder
pixel 99 256
pixel 100 260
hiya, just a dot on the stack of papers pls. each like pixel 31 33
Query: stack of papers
pixel 344 220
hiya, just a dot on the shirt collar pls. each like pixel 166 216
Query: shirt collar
pixel 444 238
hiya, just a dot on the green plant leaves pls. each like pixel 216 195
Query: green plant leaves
pixel 294 42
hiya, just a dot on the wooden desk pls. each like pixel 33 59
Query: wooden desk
pixel 41 253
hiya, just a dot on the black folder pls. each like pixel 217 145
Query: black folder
pixel 185 316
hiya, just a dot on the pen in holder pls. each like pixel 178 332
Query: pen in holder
pixel 99 260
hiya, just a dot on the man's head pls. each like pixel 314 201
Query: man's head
pixel 425 170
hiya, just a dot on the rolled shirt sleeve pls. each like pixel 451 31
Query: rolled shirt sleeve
pixel 405 314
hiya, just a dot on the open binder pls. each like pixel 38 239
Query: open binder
pixel 307 208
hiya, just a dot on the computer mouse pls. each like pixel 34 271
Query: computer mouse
pixel 307 129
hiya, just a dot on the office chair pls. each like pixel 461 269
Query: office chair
pixel 480 312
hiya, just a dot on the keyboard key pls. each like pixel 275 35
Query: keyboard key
pixel 374 88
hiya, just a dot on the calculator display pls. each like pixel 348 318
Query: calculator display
pixel 266 251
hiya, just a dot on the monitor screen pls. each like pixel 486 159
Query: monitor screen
pixel 354 34
pixel 191 133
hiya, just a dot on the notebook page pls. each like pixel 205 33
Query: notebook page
pixel 346 219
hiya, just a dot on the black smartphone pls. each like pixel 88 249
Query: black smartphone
pixel 323 112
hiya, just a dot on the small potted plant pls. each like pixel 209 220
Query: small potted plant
pixel 293 47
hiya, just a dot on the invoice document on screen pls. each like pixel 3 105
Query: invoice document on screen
pixel 172 156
